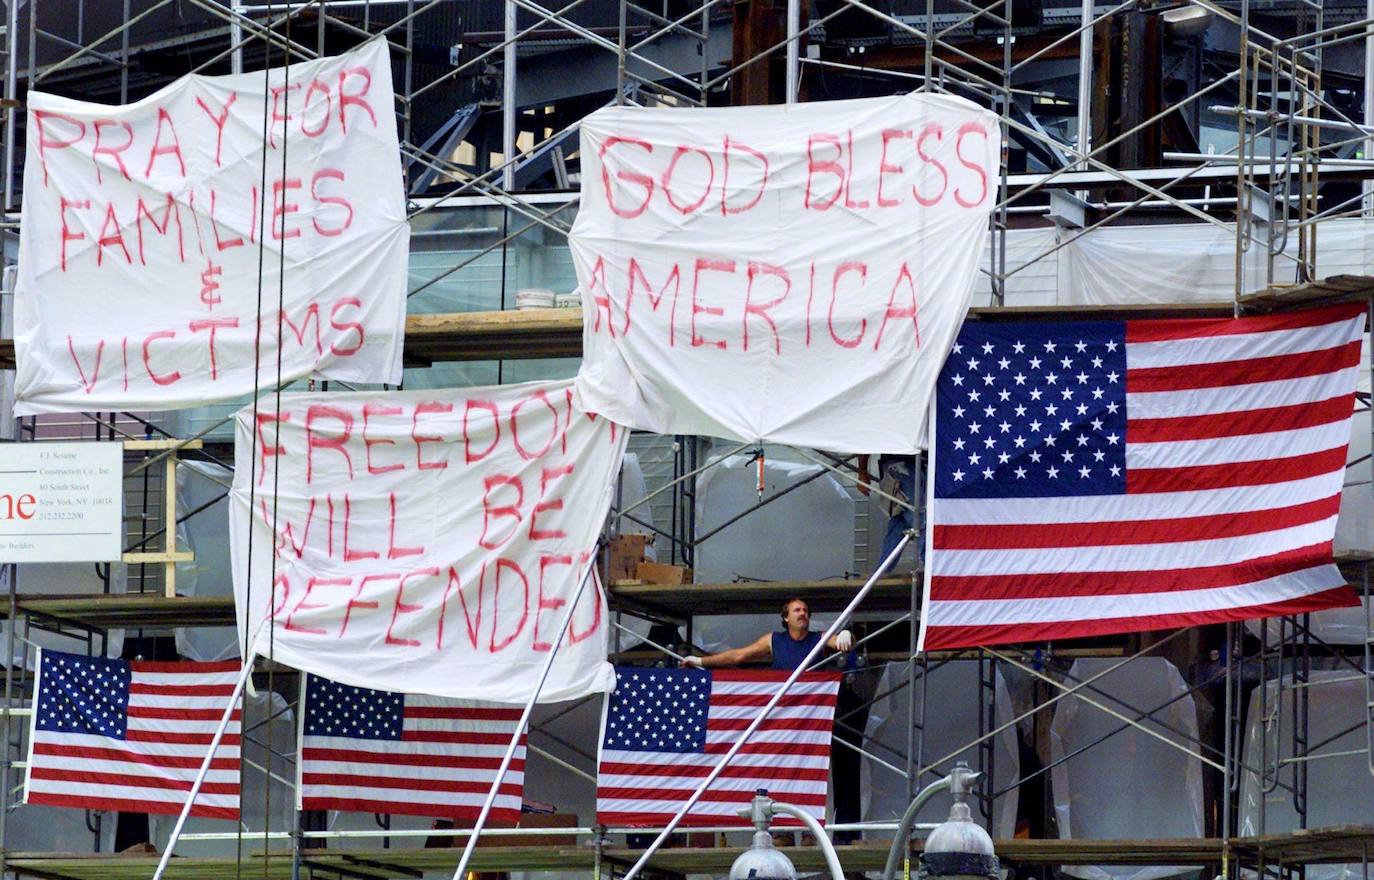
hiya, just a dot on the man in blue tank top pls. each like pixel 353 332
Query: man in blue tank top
pixel 787 649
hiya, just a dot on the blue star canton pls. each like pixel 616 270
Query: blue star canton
pixel 1033 411
pixel 334 709
pixel 83 695
pixel 659 710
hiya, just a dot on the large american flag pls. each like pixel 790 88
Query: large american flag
pixel 1113 476
pixel 405 754
pixel 117 735
pixel 665 729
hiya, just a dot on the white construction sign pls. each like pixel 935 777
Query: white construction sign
pixel 426 541
pixel 792 274
pixel 176 248
pixel 61 502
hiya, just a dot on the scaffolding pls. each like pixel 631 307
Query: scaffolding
pixel 491 95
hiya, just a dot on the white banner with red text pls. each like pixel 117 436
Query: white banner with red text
pixel 791 274
pixel 176 249
pixel 426 541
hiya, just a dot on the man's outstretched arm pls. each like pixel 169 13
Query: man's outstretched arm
pixel 756 652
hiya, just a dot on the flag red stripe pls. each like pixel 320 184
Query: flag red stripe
pixel 826 699
pixel 1273 368
pixel 182 739
pixel 311 753
pixel 469 713
pixel 408 808
pixel 1160 531
pixel 700 771
pixel 171 807
pixel 172 714
pixel 770 723
pixel 753 748
pixel 1108 583
pixel 711 795
pixel 184 667
pixel 427 783
pixel 618 819
pixel 98 754
pixel 947 637
pixel 457 737
pixel 128 779
pixel 1241 473
pixel 1241 422
pixel 768 675
pixel 181 690
pixel 1164 329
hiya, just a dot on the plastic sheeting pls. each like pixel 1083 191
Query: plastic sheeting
pixel 951 731
pixel 806 534
pixel 266 804
pixel 1340 789
pixel 1130 785
pixel 1337 626
pixel 207 535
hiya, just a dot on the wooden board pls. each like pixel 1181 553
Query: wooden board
pixel 1326 845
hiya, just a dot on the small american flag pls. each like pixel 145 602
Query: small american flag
pixel 117 735
pixel 405 754
pixel 1116 476
pixel 665 729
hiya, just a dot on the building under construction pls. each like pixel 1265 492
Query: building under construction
pixel 1199 158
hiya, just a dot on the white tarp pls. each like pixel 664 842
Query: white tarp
pixel 1115 781
pixel 426 541
pixel 1338 786
pixel 794 274
pixel 157 270
pixel 203 529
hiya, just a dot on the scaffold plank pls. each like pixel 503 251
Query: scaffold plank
pixel 1337 288
pixel 890 593
pixel 1325 845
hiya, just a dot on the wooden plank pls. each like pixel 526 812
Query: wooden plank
pixel 161 443
pixel 1337 844
pixel 1337 288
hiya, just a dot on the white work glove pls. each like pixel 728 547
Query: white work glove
pixel 691 662
pixel 844 640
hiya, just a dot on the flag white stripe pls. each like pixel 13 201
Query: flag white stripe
pixel 1131 557
pixel 687 784
pixel 133 768
pixel 782 738
pixel 1145 506
pixel 768 688
pixel 1250 447
pixel 171 701
pixel 1238 398
pixel 391 747
pixel 725 810
pixel 130 792
pixel 750 712
pixel 96 741
pixel 182 679
pixel 410 796
pixel 748 759
pixel 1232 347
pixel 999 612
pixel 411 771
